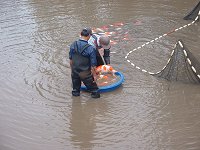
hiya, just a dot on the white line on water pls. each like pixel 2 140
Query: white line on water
pixel 185 53
pixel 180 44
pixel 184 26
pixel 194 69
pixel 189 61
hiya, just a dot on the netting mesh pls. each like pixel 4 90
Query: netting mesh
pixel 192 15
pixel 182 66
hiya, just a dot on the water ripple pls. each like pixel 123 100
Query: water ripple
pixel 37 110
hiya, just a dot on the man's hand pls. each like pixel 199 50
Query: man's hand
pixel 101 51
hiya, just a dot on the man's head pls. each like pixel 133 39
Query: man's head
pixel 104 42
pixel 85 34
pixel 89 30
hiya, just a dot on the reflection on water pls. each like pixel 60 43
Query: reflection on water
pixel 84 120
pixel 36 107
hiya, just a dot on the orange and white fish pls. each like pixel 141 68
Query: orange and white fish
pixel 105 69
pixel 118 24
pixel 113 42
pixel 104 77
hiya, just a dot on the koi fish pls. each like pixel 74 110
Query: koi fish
pixel 104 28
pixel 118 24
pixel 137 22
pixel 103 77
pixel 100 30
pixel 103 69
pixel 112 43
pixel 109 33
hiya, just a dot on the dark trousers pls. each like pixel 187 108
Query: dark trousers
pixel 86 78
pixel 99 60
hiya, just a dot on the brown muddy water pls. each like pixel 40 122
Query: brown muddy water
pixel 37 111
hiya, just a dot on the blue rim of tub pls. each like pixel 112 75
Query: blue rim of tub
pixel 111 87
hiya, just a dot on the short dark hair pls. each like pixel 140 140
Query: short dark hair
pixel 85 32
pixel 89 30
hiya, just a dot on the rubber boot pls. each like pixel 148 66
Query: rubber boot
pixel 76 93
pixel 95 95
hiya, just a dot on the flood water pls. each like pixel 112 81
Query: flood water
pixel 37 111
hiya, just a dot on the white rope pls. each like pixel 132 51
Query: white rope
pixel 151 73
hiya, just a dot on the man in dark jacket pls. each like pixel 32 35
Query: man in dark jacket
pixel 83 63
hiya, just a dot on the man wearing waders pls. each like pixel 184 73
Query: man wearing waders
pixel 83 63
pixel 102 46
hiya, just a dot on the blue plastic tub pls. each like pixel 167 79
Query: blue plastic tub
pixel 109 87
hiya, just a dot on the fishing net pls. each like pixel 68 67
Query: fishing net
pixel 192 15
pixel 182 66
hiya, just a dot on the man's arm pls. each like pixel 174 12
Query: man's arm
pixel 93 62
pixel 106 56
pixel 70 63
pixel 93 70
pixel 70 54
